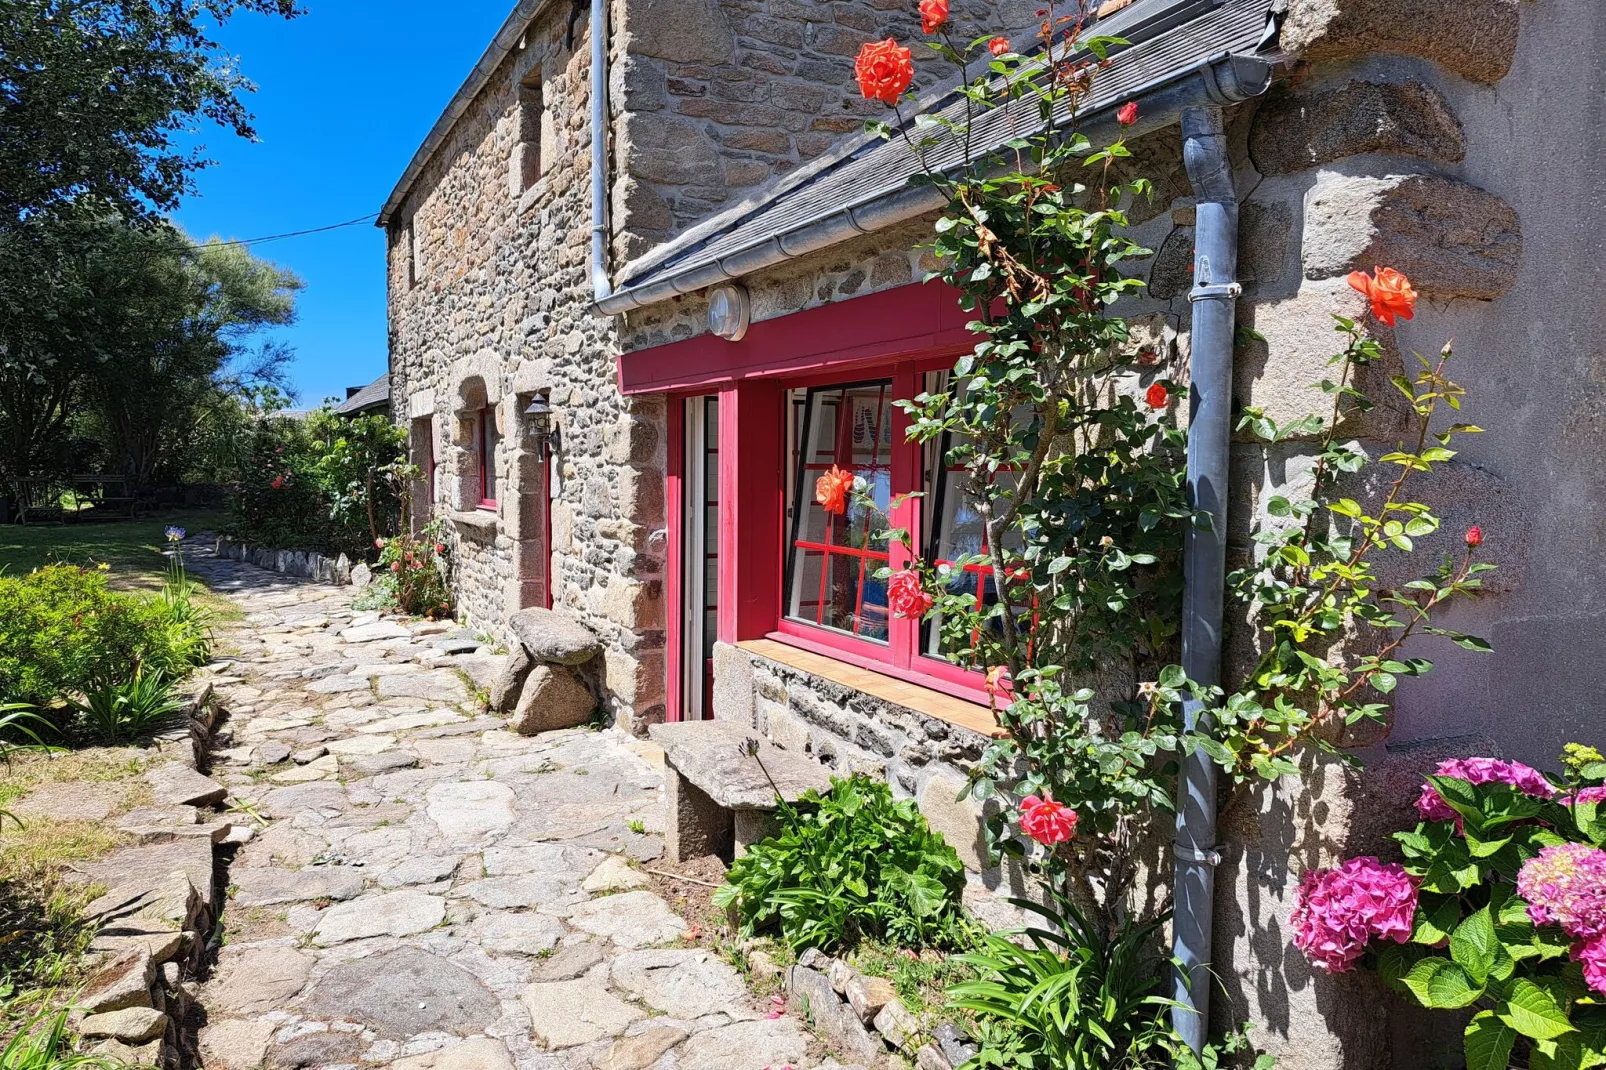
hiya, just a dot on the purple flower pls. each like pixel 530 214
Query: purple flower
pixel 1592 954
pixel 1338 911
pixel 175 534
pixel 1585 795
pixel 1566 886
pixel 1524 778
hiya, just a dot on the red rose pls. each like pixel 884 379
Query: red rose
pixel 831 490
pixel 1047 821
pixel 1127 114
pixel 278 483
pixel 440 547
pixel 905 597
pixel 379 544
pixel 998 46
pixel 1390 292
pixel 933 13
pixel 1157 396
pixel 395 566
pixel 884 69
pixel 1474 537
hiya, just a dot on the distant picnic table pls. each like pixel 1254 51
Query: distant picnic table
pixel 41 499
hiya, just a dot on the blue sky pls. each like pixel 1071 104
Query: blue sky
pixel 345 94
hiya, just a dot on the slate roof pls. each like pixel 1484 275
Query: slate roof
pixel 376 395
pixel 1170 39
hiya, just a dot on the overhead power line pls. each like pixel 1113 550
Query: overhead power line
pixel 369 218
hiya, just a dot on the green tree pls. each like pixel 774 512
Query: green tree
pixel 94 92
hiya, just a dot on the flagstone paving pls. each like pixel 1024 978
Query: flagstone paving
pixel 429 891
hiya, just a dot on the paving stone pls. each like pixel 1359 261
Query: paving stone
pixel 564 1014
pixel 524 934
pixel 316 1049
pixel 391 914
pixel 615 874
pixel 288 801
pixel 569 962
pixel 399 994
pixel 257 980
pixel 472 812
pixel 176 784
pixel 546 858
pixel 517 893
pixel 140 869
pixel 480 1053
pixel 745 1045
pixel 640 1050
pixel 368 633
pixel 268 886
pixel 341 685
pixel 318 769
pixel 630 919
pixel 308 755
pixel 270 753
pixel 425 869
pixel 374 764
pixel 682 984
pixel 361 745
pixel 435 686
pixel 405 721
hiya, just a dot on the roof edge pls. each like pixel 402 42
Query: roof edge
pixel 506 39
pixel 1226 78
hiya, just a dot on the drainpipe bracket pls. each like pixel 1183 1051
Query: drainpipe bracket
pixel 1211 857
pixel 1229 292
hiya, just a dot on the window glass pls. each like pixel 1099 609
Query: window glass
pixel 490 438
pixel 842 437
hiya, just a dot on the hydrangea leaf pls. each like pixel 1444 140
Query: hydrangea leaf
pixel 1488 1042
pixel 1533 1012
pixel 1440 984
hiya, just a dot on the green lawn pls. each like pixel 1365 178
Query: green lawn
pixel 132 549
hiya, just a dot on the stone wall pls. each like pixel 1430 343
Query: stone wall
pixel 717 97
pixel 499 314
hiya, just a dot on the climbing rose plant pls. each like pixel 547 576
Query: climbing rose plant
pixel 1499 907
pixel 1073 464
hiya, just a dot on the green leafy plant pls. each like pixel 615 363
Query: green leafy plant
pixel 849 863
pixel 19 732
pixel 43 1044
pixel 120 712
pixel 1068 996
pixel 1508 878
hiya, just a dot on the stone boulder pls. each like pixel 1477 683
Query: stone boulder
pixel 553 638
pixel 553 697
pixel 510 681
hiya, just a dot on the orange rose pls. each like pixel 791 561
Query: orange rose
pixel 1157 396
pixel 884 69
pixel 831 490
pixel 933 13
pixel 998 46
pixel 1390 292
pixel 905 597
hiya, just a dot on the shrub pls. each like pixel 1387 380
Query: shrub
pixel 1499 906
pixel 1069 997
pixel 42 1044
pixel 851 863
pixel 62 630
pixel 413 570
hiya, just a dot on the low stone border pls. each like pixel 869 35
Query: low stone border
pixel 864 1017
pixel 160 910
pixel 307 564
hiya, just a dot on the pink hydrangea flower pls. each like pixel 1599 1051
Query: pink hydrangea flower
pixel 1338 911
pixel 1566 886
pixel 1585 795
pixel 1592 955
pixel 1524 778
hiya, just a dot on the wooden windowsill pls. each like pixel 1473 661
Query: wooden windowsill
pixel 923 700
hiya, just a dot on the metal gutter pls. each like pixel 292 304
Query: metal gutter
pixel 505 41
pixel 601 287
pixel 1204 556
pixel 1227 78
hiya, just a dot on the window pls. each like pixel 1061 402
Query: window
pixel 423 456
pixel 532 117
pixel 853 433
pixel 487 438
pixel 409 238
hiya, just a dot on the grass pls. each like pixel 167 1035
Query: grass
pixel 133 550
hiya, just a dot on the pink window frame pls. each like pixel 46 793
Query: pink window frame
pixel 487 420
pixel 911 329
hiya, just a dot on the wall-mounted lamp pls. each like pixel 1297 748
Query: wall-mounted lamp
pixel 538 421
pixel 729 311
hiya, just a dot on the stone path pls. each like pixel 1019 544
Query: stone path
pixel 429 890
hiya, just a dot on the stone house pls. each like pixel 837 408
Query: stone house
pixel 609 350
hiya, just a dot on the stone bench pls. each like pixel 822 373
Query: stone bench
pixel 719 799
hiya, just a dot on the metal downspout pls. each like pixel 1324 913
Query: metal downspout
pixel 1214 299
pixel 601 287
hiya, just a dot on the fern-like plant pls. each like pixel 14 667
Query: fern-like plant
pixel 116 713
